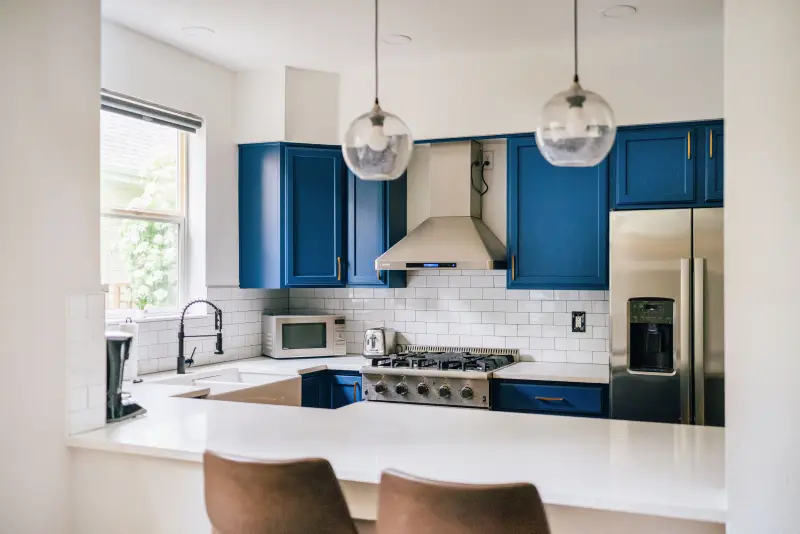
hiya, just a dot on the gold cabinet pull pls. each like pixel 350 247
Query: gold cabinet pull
pixel 710 144
pixel 338 267
pixel 549 399
pixel 378 273
pixel 689 145
pixel 513 273
pixel 355 391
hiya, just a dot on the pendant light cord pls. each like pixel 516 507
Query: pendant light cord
pixel 574 37
pixel 376 52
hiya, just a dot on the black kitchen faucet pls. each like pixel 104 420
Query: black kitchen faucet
pixel 182 361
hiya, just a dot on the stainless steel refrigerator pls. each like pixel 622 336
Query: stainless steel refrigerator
pixel 667 352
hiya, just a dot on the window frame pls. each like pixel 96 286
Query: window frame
pixel 179 217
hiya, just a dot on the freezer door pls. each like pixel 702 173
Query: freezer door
pixel 709 338
pixel 651 257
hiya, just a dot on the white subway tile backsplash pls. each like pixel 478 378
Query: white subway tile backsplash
pixel 566 295
pixel 470 293
pixel 494 293
pixel 467 308
pixel 579 356
pixel 481 305
pixel 505 330
pixel 493 317
pixel 458 305
pixel 529 306
pixel 567 344
pixel 505 306
pixel 554 306
pixel 459 281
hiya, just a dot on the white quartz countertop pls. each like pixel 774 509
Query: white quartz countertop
pixel 656 469
pixel 556 372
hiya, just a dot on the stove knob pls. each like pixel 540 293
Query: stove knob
pixel 401 388
pixel 467 393
pixel 423 388
pixel 380 387
pixel 444 391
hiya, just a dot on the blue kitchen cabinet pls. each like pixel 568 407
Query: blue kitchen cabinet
pixel 668 166
pixel 564 398
pixel 714 159
pixel 315 390
pixel 557 222
pixel 291 216
pixel 345 388
pixel 330 389
pixel 376 221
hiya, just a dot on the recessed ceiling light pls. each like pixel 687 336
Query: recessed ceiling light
pixel 396 39
pixel 618 12
pixel 197 31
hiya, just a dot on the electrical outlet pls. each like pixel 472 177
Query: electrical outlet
pixel 488 159
pixel 579 321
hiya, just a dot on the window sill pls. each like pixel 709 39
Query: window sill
pixel 117 319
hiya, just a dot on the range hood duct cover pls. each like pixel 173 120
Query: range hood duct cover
pixel 454 236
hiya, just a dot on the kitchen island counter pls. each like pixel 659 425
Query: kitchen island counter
pixel 670 471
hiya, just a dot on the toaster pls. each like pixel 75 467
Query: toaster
pixel 379 342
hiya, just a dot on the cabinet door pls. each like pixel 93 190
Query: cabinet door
pixel 376 221
pixel 315 391
pixel 314 217
pixel 557 222
pixel 345 389
pixel 655 166
pixel 714 179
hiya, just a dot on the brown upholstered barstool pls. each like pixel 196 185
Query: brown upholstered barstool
pixel 253 497
pixel 407 504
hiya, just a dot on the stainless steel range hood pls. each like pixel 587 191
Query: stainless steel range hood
pixel 454 236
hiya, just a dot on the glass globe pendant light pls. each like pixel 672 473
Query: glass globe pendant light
pixel 577 127
pixel 377 144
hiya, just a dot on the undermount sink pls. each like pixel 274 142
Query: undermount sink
pixel 235 386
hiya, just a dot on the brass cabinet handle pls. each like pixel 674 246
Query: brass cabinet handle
pixel 710 144
pixel 513 273
pixel 378 273
pixel 550 399
pixel 355 391
pixel 689 145
pixel 338 267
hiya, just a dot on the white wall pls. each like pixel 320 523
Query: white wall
pixel 312 106
pixel 286 104
pixel 50 239
pixel 660 80
pixel 142 67
pixel 259 100
pixel 762 254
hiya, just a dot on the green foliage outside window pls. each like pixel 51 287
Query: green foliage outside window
pixel 149 248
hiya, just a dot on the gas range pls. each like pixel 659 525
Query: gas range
pixel 446 376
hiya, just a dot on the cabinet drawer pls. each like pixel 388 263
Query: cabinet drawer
pixel 549 398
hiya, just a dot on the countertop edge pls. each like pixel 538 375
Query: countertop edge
pixel 600 503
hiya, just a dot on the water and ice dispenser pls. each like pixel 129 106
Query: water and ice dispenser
pixel 651 335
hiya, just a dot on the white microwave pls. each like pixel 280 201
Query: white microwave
pixel 303 336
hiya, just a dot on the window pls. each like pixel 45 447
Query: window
pixel 143 174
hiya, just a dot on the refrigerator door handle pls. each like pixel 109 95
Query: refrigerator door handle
pixel 684 356
pixel 699 342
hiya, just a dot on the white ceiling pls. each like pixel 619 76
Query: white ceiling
pixel 336 35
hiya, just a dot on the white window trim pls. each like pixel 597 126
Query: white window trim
pixel 180 218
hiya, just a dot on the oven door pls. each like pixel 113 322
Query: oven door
pixel 303 337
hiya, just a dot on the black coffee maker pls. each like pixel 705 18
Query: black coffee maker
pixel 119 406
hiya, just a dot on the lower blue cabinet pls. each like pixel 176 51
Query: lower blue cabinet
pixel 331 389
pixel 588 400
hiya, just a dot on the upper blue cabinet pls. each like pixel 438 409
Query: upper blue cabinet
pixel 291 216
pixel 671 165
pixel 557 222
pixel 376 221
